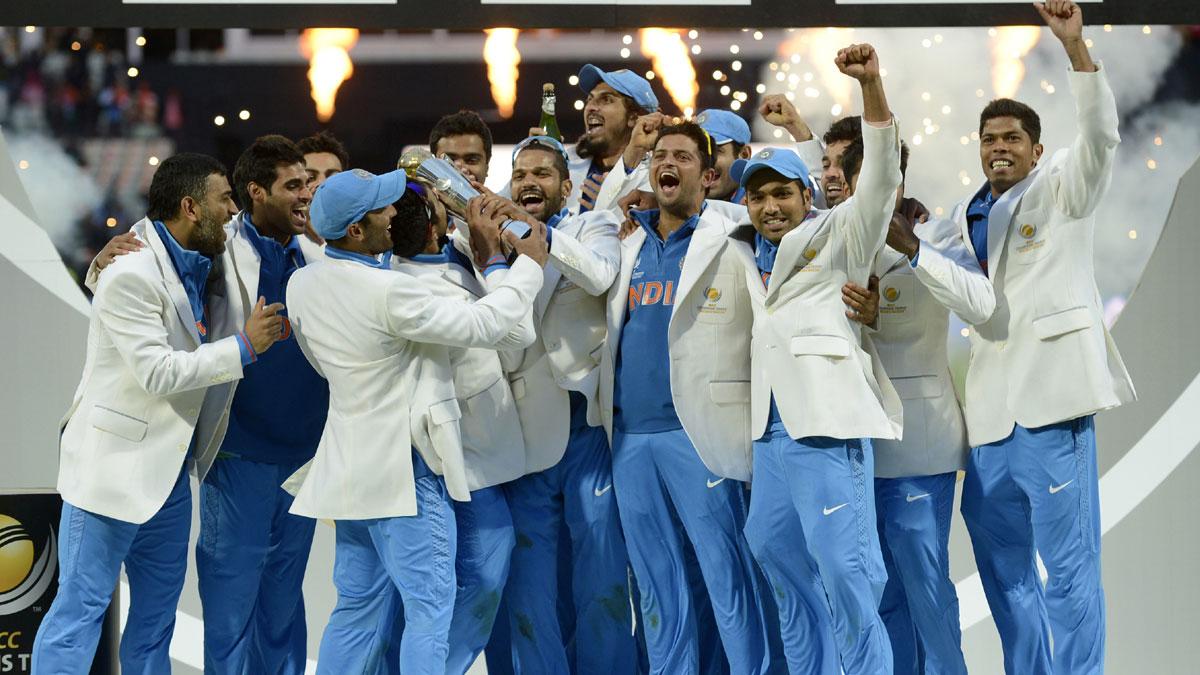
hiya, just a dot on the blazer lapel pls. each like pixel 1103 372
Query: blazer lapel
pixel 618 297
pixel 171 278
pixel 1000 219
pixel 245 265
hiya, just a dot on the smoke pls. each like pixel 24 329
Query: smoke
pixel 61 191
pixel 938 79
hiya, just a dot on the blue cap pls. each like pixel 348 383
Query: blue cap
pixel 548 142
pixel 783 161
pixel 724 126
pixel 624 81
pixel 346 197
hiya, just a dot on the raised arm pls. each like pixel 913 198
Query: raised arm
pixel 590 261
pixel 865 216
pixel 1086 171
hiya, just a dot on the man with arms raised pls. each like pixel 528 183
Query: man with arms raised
pixel 389 461
pixel 153 352
pixel 1040 368
pixel 926 272
pixel 818 395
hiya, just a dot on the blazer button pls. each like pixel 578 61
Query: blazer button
pixel 182 447
pixel 555 345
pixel 194 412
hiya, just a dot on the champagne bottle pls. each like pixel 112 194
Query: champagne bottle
pixel 549 121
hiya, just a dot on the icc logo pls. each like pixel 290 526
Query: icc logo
pixel 23 580
pixel 891 294
pixel 1028 230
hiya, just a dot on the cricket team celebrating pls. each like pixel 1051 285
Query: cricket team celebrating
pixel 699 420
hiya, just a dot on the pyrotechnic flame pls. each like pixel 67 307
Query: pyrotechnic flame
pixel 329 65
pixel 1010 45
pixel 500 52
pixel 670 60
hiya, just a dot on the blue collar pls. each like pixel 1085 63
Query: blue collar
pixel 383 262
pixel 558 218
pixel 764 253
pixel 446 256
pixel 259 242
pixel 648 219
pixel 982 202
pixel 192 268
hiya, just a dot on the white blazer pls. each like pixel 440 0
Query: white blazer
pixel 367 331
pixel 1045 356
pixel 127 433
pixel 914 315
pixel 239 266
pixel 708 340
pixel 806 351
pixel 570 319
pixel 492 446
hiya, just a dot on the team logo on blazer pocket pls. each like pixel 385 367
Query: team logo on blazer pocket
pixel 713 294
pixel 1033 242
pixel 891 294
pixel 810 253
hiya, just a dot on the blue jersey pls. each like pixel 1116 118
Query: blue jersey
pixel 978 212
pixel 642 392
pixel 280 405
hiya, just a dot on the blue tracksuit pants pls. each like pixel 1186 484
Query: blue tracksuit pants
pixel 382 562
pixel 92 549
pixel 816 494
pixel 1037 492
pixel 919 605
pixel 661 484
pixel 250 561
pixel 577 493
pixel 485 543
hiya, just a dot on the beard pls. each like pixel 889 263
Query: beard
pixel 587 147
pixel 209 235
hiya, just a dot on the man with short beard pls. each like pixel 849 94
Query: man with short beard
pixel 1040 368
pixel 252 553
pixel 568 472
pixel 674 395
pixel 603 165
pixel 133 426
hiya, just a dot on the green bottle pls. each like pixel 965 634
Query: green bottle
pixel 549 121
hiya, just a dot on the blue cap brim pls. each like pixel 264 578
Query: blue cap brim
pixel 590 76
pixel 743 169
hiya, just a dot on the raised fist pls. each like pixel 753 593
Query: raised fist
pixel 858 61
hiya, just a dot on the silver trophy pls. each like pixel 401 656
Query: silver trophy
pixel 447 181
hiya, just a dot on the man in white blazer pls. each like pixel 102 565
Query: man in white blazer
pixel 1040 368
pixel 390 457
pixel 492 446
pixel 252 554
pixel 818 394
pixel 925 272
pixel 566 488
pixel 133 423
pixel 674 394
